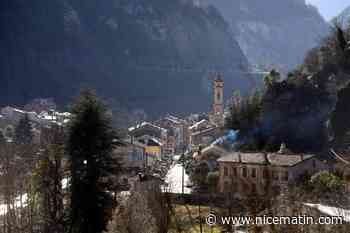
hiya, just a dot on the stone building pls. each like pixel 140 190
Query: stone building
pixel 178 133
pixel 242 174
pixel 205 137
pixel 217 115
pixel 132 156
pixel 148 129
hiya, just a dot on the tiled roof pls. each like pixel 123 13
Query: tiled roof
pixel 274 159
pixel 211 149
pixel 215 149
pixel 197 124
pixel 204 131
pixel 143 124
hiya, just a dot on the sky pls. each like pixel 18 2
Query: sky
pixel 330 8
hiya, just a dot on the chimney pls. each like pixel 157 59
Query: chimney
pixel 302 157
pixel 283 149
pixel 239 157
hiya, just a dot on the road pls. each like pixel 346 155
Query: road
pixel 173 180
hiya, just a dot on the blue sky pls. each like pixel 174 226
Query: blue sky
pixel 330 8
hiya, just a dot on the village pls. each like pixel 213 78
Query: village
pixel 150 149
pixel 194 159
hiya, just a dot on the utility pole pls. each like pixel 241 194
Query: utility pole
pixel 200 218
pixel 183 170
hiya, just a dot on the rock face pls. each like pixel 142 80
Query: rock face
pixel 343 18
pixel 273 32
pixel 155 54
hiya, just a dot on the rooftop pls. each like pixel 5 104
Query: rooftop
pixel 143 124
pixel 197 124
pixel 274 159
pixel 204 131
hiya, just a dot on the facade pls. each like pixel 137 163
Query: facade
pixel 242 174
pixel 153 146
pixel 205 136
pixel 152 136
pixel 131 155
pixel 178 136
pixel 148 129
pixel 154 149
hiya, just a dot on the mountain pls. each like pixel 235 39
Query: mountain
pixel 343 18
pixel 154 55
pixel 273 32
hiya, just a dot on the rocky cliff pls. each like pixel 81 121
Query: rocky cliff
pixel 273 32
pixel 343 18
pixel 155 55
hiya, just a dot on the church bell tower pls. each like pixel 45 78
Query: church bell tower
pixel 217 114
pixel 218 103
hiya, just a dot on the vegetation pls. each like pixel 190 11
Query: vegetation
pixel 90 145
pixel 307 98
pixel 245 116
pixel 145 210
pixel 325 182
pixel 24 131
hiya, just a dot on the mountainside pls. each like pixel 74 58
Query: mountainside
pixel 273 32
pixel 343 18
pixel 155 55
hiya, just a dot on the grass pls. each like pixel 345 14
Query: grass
pixel 186 220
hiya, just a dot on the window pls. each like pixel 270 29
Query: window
pixel 266 174
pixel 225 171
pixel 244 172
pixel 276 190
pixel 285 176
pixel 275 175
pixel 226 186
pixel 253 172
pixel 218 97
pixel 254 188
pixel 234 171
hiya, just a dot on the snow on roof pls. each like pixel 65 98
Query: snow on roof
pixel 197 124
pixel 214 148
pixel 66 114
pixel 156 140
pixel 18 110
pixel 274 159
pixel 204 131
pixel 144 124
pixel 173 119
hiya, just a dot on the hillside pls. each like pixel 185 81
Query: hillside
pixel 343 18
pixel 154 55
pixel 273 32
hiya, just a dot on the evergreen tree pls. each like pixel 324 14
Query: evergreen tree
pixel 23 131
pixel 90 145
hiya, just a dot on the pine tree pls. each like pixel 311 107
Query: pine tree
pixel 90 145
pixel 23 131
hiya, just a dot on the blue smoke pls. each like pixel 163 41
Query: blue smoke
pixel 231 137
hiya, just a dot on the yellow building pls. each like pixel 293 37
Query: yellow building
pixel 154 148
